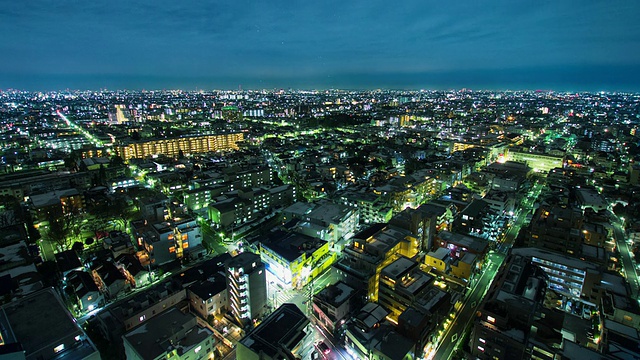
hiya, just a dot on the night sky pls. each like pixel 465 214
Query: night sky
pixel 115 44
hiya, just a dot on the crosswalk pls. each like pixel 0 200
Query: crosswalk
pixel 287 296
pixel 284 296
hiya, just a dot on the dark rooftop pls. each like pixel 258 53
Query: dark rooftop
pixel 279 331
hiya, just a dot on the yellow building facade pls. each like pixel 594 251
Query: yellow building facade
pixel 172 147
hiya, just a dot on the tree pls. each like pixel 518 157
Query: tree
pixel 89 241
pixel 77 247
pixel 116 161
pixel 620 209
pixel 117 210
pixel 59 230
pixel 102 175
pixel 71 162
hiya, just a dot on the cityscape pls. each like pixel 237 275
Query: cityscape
pixel 284 180
pixel 325 224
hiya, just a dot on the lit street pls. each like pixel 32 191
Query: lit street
pixel 626 258
pixel 455 333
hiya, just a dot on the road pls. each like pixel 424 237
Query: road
pixel 277 295
pixel 212 238
pixel 625 256
pixel 455 333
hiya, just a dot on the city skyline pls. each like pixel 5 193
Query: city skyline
pixel 567 46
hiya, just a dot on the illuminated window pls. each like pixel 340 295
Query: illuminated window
pixel 142 318
pixel 491 319
pixel 185 245
pixel 198 349
pixel 480 348
pixel 482 340
pixel 58 348
pixel 172 249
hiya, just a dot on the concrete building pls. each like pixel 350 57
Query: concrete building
pixel 439 260
pixel 402 285
pixel 333 304
pixel 558 229
pixel 170 335
pixel 459 244
pixel 123 316
pixel 231 212
pixel 476 219
pixel 511 324
pixel 295 259
pixel 256 177
pixel 590 198
pixel 39 327
pixel 372 209
pixel 56 204
pixel 23 183
pixel 372 250
pixel 423 223
pixel 81 288
pixel 324 220
pixel 173 147
pixel 464 267
pixel 200 197
pixel 247 287
pixel 168 240
pixel 369 336
pixel 573 279
pixel 278 336
pixel 209 297
pixel 500 202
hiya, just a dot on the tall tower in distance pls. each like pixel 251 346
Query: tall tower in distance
pixel 247 286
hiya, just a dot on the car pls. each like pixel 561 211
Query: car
pixel 323 348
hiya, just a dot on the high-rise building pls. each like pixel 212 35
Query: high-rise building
pixel 247 287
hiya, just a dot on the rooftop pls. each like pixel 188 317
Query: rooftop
pixel 280 332
pixel 52 324
pixel 172 328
